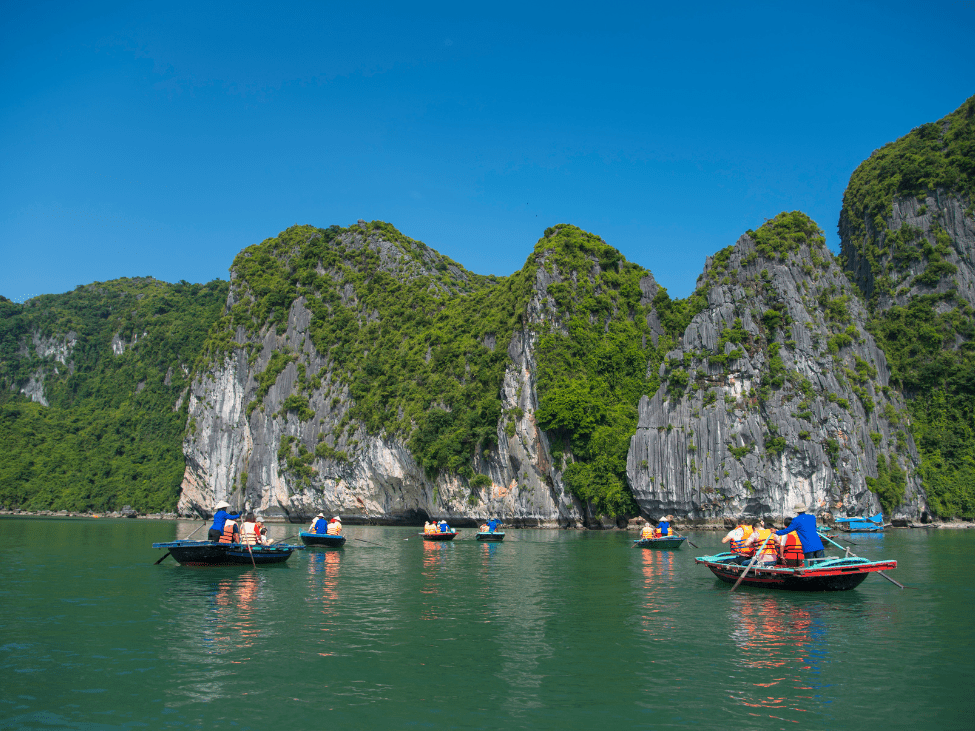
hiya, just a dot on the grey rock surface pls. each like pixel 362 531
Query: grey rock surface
pixel 753 434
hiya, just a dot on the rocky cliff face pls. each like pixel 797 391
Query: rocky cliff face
pixel 926 246
pixel 776 395
pixel 246 445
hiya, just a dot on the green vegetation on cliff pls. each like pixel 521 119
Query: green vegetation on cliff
pixel 112 433
pixel 929 340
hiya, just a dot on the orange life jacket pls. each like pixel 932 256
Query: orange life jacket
pixel 739 546
pixel 792 550
pixel 648 533
pixel 769 550
pixel 231 533
pixel 335 529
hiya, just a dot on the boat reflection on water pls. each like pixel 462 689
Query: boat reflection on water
pixel 658 580
pixel 326 565
pixel 779 641
pixel 434 562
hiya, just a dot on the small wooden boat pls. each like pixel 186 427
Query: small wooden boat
pixel 322 539
pixel 826 574
pixel 873 524
pixel 449 536
pixel 205 553
pixel 662 542
pixel 495 536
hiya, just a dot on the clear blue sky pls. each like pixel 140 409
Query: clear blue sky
pixel 161 138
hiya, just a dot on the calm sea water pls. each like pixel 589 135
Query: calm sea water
pixel 548 630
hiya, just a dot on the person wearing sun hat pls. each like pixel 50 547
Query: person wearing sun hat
pixel 335 526
pixel 663 527
pixel 219 518
pixel 319 525
pixel 804 524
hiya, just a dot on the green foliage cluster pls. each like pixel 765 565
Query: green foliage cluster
pixel 785 234
pixel 593 362
pixel 112 435
pixel 890 483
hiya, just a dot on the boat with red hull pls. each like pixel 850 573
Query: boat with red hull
pixel 827 574
pixel 205 553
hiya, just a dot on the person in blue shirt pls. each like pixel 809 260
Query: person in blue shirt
pixel 320 526
pixel 804 525
pixel 219 518
pixel 663 527
pixel 493 524
pixel 444 528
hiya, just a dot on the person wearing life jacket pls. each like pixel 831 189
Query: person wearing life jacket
pixel 648 532
pixel 250 531
pixel 737 536
pixel 231 531
pixel 429 527
pixel 761 538
pixel 790 549
pixel 219 518
pixel 805 525
pixel 335 526
pixel 319 525
pixel 483 528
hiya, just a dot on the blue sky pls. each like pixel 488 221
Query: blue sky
pixel 162 138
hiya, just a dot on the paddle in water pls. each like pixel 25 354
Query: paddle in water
pixel 751 563
pixel 843 548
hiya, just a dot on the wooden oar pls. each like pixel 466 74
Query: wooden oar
pixel 881 573
pixel 691 544
pixel 205 521
pixel 751 563
pixel 252 554
pixel 165 556
pixel 369 542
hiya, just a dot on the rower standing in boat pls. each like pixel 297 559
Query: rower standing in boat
pixel 663 527
pixel 804 525
pixel 319 525
pixel 738 535
pixel 493 525
pixel 219 520
pixel 443 526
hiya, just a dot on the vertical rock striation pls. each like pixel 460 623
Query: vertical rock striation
pixel 776 394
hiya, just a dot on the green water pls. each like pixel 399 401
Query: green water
pixel 548 630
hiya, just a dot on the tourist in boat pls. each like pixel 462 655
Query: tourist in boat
pixel 493 525
pixel 429 527
pixel 647 533
pixel 805 525
pixel 319 525
pixel 250 531
pixel 790 548
pixel 738 536
pixel 231 531
pixel 219 519
pixel 483 528
pixel 335 526
pixel 764 543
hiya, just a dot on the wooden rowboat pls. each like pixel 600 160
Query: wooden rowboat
pixel 205 553
pixel 439 536
pixel 826 574
pixel 497 536
pixel 662 542
pixel 322 539
pixel 873 524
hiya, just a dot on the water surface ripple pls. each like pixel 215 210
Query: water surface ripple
pixel 548 630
